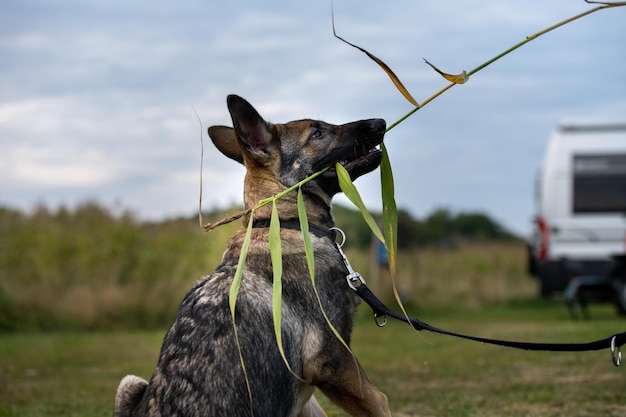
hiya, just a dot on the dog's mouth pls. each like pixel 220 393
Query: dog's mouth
pixel 358 158
pixel 357 166
pixel 360 165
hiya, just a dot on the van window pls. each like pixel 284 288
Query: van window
pixel 599 183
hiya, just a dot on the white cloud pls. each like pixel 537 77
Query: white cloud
pixel 46 168
pixel 97 97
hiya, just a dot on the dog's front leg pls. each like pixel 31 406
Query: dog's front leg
pixel 352 390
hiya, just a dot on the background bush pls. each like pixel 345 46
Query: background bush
pixel 87 268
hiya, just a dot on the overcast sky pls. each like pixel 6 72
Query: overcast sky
pixel 97 98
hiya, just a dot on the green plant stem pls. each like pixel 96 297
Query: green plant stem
pixel 508 51
pixel 210 226
pixel 290 189
pixel 538 34
pixel 425 102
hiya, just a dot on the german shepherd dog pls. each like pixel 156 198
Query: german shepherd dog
pixel 199 371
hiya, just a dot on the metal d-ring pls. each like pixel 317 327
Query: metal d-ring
pixel 617 359
pixel 343 236
pixel 380 323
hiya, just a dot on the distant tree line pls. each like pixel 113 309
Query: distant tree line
pixel 442 227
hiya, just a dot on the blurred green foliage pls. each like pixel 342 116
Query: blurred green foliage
pixel 90 268
pixel 442 227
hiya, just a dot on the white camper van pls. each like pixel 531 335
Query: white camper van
pixel 580 223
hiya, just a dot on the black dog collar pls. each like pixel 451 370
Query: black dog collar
pixel 314 229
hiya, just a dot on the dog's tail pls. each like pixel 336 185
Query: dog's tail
pixel 129 394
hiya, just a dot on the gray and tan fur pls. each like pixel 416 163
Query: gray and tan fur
pixel 199 372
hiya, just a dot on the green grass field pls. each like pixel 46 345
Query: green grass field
pixel 65 275
pixel 76 374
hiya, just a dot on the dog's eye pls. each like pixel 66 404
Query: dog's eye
pixel 317 133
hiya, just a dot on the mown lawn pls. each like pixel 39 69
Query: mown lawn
pixel 67 374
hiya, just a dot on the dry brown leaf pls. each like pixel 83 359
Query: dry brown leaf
pixel 457 79
pixel 394 78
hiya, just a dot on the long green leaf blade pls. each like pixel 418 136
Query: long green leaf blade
pixel 234 287
pixel 306 236
pixel 390 221
pixel 232 299
pixel 348 188
pixel 277 286
pixel 277 269
pixel 310 258
pixel 390 211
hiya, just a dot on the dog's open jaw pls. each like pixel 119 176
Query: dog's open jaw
pixel 359 164
pixel 305 146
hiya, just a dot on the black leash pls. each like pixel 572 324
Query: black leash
pixel 381 310
pixel 357 283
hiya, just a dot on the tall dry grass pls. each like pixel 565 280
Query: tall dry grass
pixel 88 269
pixel 470 276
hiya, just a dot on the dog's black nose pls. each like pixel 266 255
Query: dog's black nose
pixel 378 125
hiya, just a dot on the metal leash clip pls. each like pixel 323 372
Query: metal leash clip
pixel 354 278
pixel 617 358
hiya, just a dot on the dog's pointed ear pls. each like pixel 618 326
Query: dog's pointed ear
pixel 225 139
pixel 250 127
